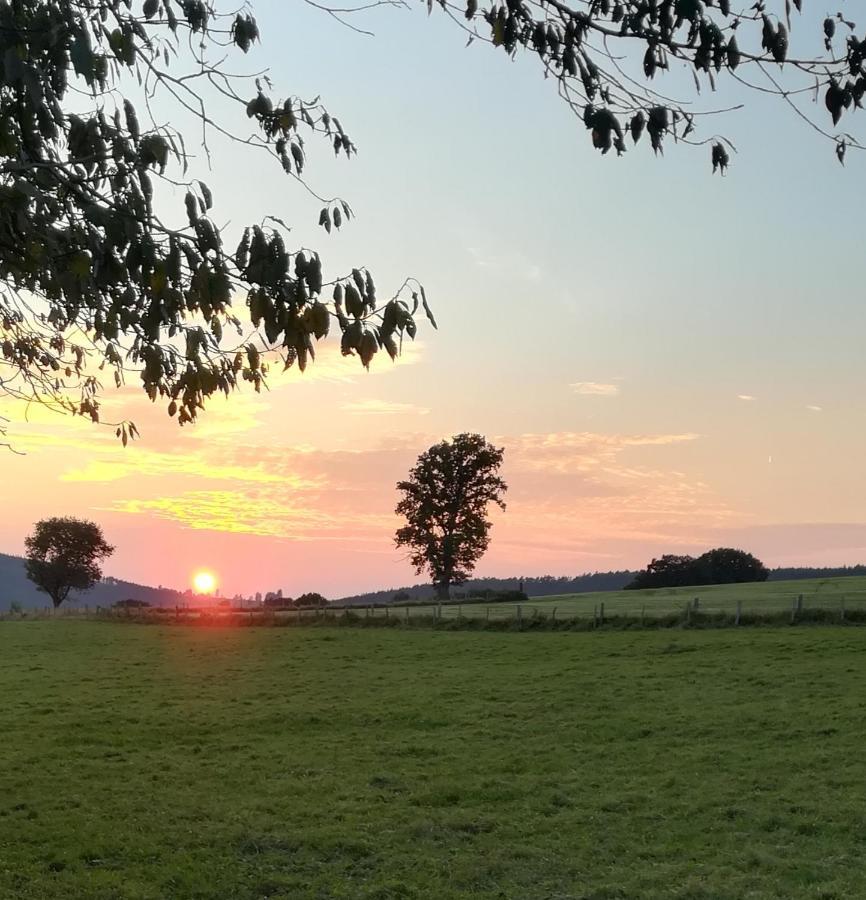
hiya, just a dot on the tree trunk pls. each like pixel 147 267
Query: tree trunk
pixel 443 591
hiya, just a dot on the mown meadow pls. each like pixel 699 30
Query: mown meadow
pixel 195 762
pixel 759 597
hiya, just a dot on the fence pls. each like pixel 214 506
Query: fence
pixel 574 614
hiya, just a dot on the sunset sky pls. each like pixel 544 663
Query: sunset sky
pixel 671 360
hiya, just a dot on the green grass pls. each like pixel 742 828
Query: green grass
pixel 183 762
pixel 764 597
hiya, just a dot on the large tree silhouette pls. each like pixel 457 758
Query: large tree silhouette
pixel 64 554
pixel 445 501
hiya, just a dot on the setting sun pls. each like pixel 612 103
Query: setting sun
pixel 204 582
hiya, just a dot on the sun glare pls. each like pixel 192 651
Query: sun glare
pixel 204 582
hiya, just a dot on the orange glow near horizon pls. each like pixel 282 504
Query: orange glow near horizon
pixel 204 582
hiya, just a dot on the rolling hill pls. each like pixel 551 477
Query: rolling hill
pixel 16 587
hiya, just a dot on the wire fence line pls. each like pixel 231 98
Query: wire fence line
pixel 567 613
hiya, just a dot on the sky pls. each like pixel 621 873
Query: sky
pixel 671 360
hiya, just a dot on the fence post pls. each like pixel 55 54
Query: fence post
pixel 800 603
pixel 601 613
pixel 519 615
pixel 438 613
pixel 739 610
pixel 553 614
pixel 594 616
pixel 793 611
pixel 487 618
pixel 642 616
pixel 697 603
pixel 842 609
pixel 387 613
pixel 407 613
pixel 459 610
pixel 688 613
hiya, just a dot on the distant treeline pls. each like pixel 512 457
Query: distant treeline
pixel 540 586
pixel 792 573
pixel 549 585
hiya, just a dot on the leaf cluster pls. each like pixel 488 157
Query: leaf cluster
pixel 100 273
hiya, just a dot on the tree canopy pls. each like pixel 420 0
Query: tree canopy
pixel 720 566
pixel 64 554
pixel 103 272
pixel 100 271
pixel 445 502
pixel 607 59
pixel 311 598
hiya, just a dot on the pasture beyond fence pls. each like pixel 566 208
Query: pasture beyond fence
pixel 563 615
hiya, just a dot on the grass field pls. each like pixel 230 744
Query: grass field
pixel 763 597
pixel 760 598
pixel 768 596
pixel 166 762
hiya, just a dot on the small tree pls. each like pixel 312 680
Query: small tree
pixel 445 504
pixel 65 553
pixel 311 598
pixel 669 570
pixel 725 565
pixel 720 566
pixel 276 600
pixel 131 604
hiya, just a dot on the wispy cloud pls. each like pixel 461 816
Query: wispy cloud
pixel 568 490
pixel 143 463
pixel 383 408
pixel 257 513
pixel 571 451
pixel 594 388
pixel 812 408
pixel 747 397
pixel 575 495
